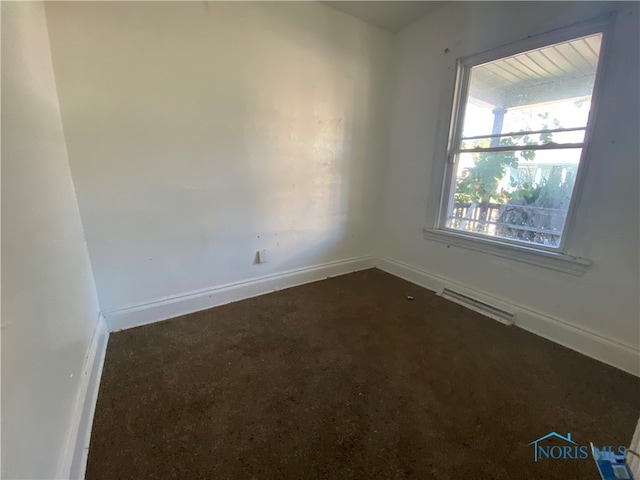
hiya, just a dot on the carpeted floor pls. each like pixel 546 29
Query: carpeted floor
pixel 348 379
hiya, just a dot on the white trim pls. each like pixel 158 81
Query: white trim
pixel 600 24
pixel 605 25
pixel 164 309
pixel 632 460
pixel 73 463
pixel 587 342
pixel 531 255
pixel 519 134
pixel 74 460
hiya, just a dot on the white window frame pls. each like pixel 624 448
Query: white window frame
pixel 556 258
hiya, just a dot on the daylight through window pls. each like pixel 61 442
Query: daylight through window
pixel 518 142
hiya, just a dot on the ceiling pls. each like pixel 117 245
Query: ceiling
pixel 390 15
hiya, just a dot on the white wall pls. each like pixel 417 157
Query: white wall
pixel 605 299
pixel 49 304
pixel 199 133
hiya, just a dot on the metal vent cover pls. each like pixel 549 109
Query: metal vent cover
pixel 490 311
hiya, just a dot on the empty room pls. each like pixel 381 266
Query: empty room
pixel 320 240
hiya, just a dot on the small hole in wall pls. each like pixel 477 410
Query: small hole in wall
pixel 446 50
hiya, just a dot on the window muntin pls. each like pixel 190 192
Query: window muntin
pixel 519 134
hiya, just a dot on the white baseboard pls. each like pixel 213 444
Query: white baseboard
pixel 164 309
pixel 582 340
pixel 577 338
pixel 74 461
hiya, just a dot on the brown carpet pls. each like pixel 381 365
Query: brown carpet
pixel 348 379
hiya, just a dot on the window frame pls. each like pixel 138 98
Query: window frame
pixel 557 258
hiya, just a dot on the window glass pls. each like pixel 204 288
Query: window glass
pixel 522 133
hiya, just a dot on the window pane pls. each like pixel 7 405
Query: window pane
pixel 546 88
pixel 539 98
pixel 520 195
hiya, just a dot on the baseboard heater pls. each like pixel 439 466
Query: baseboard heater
pixel 485 309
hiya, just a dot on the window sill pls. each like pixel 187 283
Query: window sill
pixel 533 256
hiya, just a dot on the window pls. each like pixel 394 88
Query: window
pixel 516 147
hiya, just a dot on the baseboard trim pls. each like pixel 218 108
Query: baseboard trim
pixel 74 460
pixel 576 338
pixel 164 309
